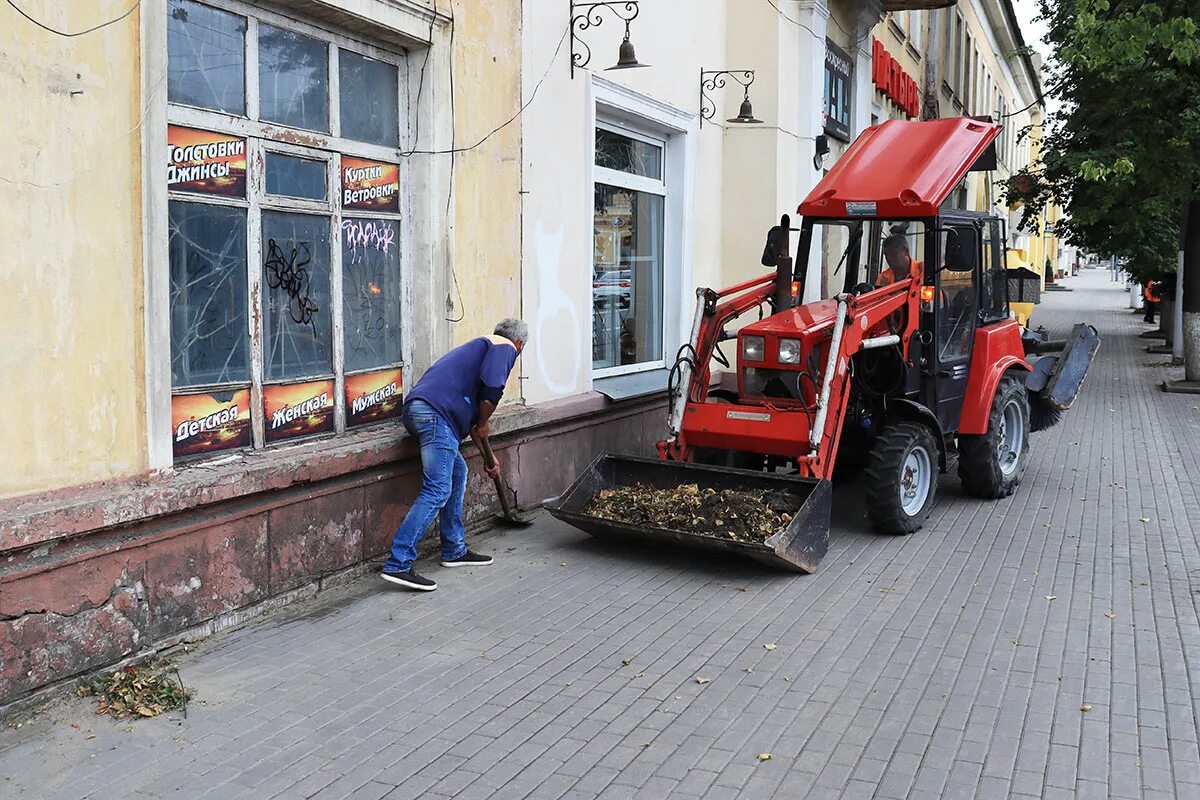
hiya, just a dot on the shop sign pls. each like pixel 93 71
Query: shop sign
pixel 373 396
pixel 370 185
pixel 204 162
pixel 893 81
pixel 298 409
pixel 839 78
pixel 207 423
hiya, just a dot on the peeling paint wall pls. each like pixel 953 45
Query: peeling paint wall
pixel 71 332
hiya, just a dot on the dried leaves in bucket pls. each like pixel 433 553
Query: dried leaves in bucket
pixel 740 515
pixel 138 692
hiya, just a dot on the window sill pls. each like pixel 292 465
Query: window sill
pixel 361 457
pixel 44 517
pixel 633 385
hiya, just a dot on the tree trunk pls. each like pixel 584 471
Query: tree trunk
pixel 1191 292
pixel 1177 328
pixel 1166 318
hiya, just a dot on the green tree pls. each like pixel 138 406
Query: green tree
pixel 1122 153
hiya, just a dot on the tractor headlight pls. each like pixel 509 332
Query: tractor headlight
pixel 753 348
pixel 789 351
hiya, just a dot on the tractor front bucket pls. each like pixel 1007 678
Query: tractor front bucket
pixel 1058 384
pixel 799 546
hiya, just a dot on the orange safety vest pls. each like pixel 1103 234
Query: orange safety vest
pixel 888 276
pixel 1151 291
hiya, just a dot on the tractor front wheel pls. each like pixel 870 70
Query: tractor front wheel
pixel 902 478
pixel 991 464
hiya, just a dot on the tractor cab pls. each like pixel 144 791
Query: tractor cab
pixel 880 220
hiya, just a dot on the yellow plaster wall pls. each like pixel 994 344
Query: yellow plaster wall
pixel 487 180
pixel 71 336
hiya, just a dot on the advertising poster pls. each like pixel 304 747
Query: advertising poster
pixel 205 163
pixel 207 423
pixel 373 396
pixel 370 185
pixel 300 409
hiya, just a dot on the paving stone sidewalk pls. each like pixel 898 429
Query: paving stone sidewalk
pixel 951 663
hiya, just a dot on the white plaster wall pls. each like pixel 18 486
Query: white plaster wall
pixel 557 184
pixel 742 177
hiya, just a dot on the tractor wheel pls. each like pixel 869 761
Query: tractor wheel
pixel 991 464
pixel 902 478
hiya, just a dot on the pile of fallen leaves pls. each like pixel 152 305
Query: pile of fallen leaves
pixel 138 692
pixel 739 515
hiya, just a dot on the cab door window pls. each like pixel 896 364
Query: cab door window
pixel 994 291
pixel 957 295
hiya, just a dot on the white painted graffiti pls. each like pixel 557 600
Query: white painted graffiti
pixel 552 301
pixel 365 235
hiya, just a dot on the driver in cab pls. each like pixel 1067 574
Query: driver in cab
pixel 900 262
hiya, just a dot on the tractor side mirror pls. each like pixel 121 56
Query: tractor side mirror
pixel 961 249
pixel 770 256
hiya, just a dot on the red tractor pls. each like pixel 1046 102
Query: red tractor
pixel 910 362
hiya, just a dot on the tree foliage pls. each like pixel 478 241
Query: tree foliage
pixel 1123 153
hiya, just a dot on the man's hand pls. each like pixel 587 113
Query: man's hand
pixel 483 430
pixel 494 471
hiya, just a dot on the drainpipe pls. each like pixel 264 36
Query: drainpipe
pixel 931 106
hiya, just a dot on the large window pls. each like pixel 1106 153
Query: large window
pixel 284 248
pixel 628 262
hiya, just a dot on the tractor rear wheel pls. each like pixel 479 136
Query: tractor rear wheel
pixel 991 464
pixel 902 478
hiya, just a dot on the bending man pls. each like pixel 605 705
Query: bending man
pixel 455 396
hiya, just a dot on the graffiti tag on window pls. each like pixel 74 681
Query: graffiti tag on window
pixel 287 272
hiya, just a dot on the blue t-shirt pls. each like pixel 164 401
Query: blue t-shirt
pixel 463 378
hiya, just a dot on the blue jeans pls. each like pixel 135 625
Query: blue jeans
pixel 443 484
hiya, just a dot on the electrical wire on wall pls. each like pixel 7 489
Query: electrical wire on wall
pixel 421 81
pixel 510 120
pixel 798 23
pixel 451 303
pixel 72 34
pixel 454 150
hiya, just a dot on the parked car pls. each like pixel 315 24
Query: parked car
pixel 611 286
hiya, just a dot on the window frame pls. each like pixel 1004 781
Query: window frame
pixel 995 275
pixel 636 183
pixel 916 34
pixel 262 137
pixel 633 114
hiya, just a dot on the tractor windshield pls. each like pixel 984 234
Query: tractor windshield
pixel 859 255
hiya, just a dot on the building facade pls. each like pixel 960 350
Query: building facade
pixel 239 230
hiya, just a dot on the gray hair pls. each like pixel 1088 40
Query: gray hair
pixel 514 330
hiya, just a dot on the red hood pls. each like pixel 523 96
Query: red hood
pixel 798 320
pixel 900 169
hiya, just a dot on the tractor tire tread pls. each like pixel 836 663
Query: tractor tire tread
pixel 977 467
pixel 883 476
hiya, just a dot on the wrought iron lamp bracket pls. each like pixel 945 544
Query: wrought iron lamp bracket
pixel 588 15
pixel 712 80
